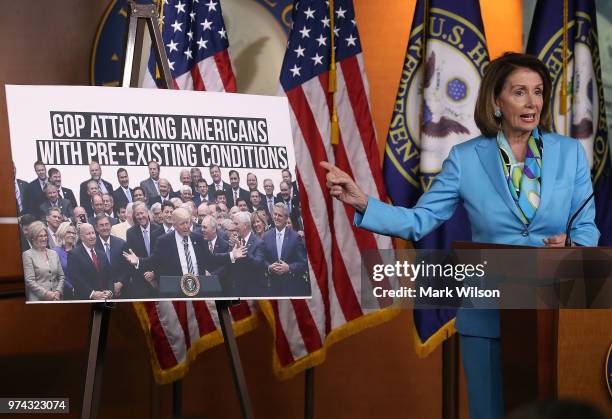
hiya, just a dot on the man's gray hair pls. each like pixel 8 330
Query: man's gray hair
pixel 243 217
pixel 282 206
pixel 210 221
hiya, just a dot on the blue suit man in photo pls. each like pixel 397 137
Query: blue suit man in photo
pixel 112 247
pixel 285 258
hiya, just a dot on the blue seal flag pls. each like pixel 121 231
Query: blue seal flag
pixel 577 97
pixel 434 110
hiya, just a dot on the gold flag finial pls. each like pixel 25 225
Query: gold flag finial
pixel 564 48
pixel 331 85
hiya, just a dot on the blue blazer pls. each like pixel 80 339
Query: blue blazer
pixel 473 175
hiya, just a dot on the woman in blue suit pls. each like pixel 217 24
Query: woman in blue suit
pixel 519 183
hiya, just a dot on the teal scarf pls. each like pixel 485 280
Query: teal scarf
pixel 523 179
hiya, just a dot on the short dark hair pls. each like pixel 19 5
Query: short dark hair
pixel 219 193
pixel 495 76
pixel 167 204
pixel 202 180
pixel 234 171
pixel 26 220
pixel 139 189
pixel 121 169
pixel 38 163
pixel 53 209
pixel 153 161
pixel 99 218
pixel 241 200
pixel 52 171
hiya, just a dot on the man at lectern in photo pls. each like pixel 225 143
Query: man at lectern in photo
pixel 520 184
pixel 181 259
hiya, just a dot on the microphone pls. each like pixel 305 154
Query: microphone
pixel 568 241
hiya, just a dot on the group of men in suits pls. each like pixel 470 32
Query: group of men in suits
pixel 241 264
pixel 246 265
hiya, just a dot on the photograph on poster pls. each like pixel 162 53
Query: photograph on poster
pixel 142 194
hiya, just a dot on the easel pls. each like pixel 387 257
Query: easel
pixel 138 15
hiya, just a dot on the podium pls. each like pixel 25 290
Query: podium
pixel 529 337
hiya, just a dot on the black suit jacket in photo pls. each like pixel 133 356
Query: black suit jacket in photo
pixel 212 189
pixel 295 213
pixel 120 199
pixel 242 193
pixel 140 287
pixel 22 185
pixel 85 200
pixel 120 268
pixel 63 204
pixel 247 274
pixel 69 195
pixel 84 275
pixel 34 196
pixel 135 240
pixel 165 260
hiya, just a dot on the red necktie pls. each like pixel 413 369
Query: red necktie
pixel 94 258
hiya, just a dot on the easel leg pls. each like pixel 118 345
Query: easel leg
pixel 177 399
pixel 309 393
pixel 232 350
pixel 100 316
pixel 450 377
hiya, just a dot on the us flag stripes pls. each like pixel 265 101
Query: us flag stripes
pixel 196 44
pixel 303 329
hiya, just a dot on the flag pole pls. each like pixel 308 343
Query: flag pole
pixel 331 85
pixel 564 48
pixel 450 346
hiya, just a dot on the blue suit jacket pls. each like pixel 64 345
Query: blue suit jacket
pixel 293 252
pixel 472 174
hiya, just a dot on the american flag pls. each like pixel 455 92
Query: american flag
pixel 303 329
pixel 196 44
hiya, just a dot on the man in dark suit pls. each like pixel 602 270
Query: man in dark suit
pixel 217 184
pixel 257 204
pixel 247 274
pixel 292 204
pixel 216 243
pixel 95 172
pixel 201 194
pixel 196 175
pixel 92 190
pixel 165 193
pixel 113 247
pixel 293 187
pixel 20 189
pixel 182 252
pixel 268 199
pixel 24 224
pixel 253 183
pixel 53 200
pixel 123 195
pixel 34 195
pixel 151 184
pixel 167 208
pixel 88 269
pixel 235 192
pixel 142 239
pixel 55 177
pixel 285 257
pixel 97 203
